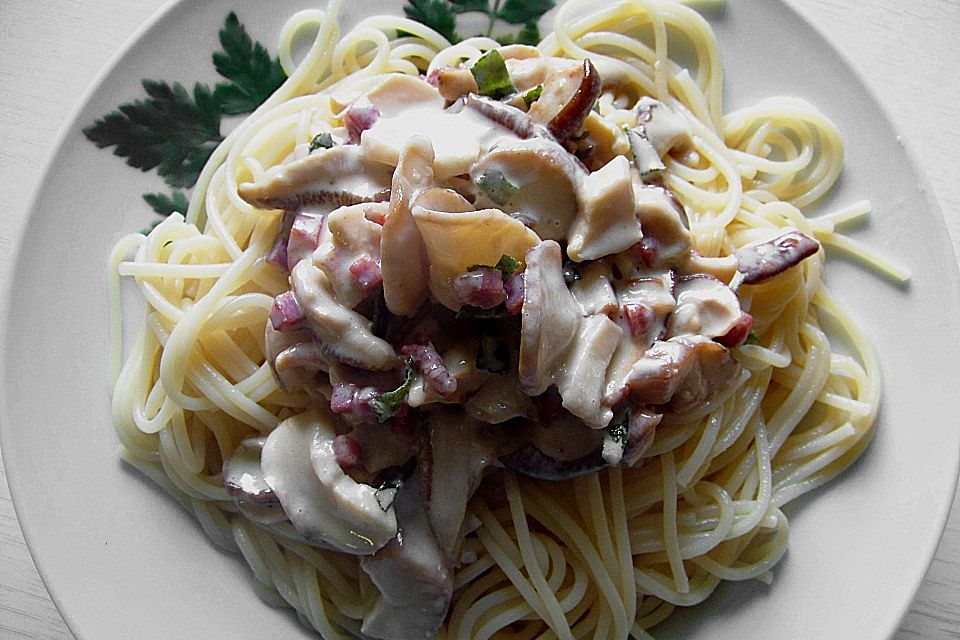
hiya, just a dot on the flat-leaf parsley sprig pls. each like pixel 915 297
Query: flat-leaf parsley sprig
pixel 441 16
pixel 174 130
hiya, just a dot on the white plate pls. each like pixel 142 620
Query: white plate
pixel 122 560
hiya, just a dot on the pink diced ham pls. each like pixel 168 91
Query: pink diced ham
pixel 347 452
pixel 428 363
pixel 482 287
pixel 513 287
pixel 304 237
pixel 286 314
pixel 640 317
pixel 361 116
pixel 367 272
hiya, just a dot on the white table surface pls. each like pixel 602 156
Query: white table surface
pixel 907 50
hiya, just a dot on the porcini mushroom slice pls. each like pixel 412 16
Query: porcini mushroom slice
pixel 531 461
pixel 568 96
pixel 345 335
pixel 413 583
pixel 333 177
pixel 538 182
pixel 324 504
pixel 295 357
pixel 351 237
pixel 662 126
pixel 550 318
pixel 457 241
pixel 244 481
pixel 403 257
pixel 705 306
pixel 760 262
pixel 607 221
pixel 683 371
pixel 664 224
pixel 581 378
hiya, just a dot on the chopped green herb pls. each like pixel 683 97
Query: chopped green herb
pixel 496 186
pixel 386 404
pixel 490 72
pixel 252 73
pixel 321 141
pixel 165 205
pixel 524 11
pixel 508 265
pixel 436 14
pixel 466 6
pixel 170 130
pixel 753 338
pixel 530 34
pixel 644 153
pixel 532 95
pixel 493 355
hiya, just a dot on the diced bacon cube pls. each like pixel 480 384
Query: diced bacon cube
pixel 482 287
pixel 367 272
pixel 640 317
pixel 286 314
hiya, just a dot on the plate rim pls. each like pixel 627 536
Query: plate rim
pixel 72 122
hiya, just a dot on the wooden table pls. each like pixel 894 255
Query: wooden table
pixel 50 50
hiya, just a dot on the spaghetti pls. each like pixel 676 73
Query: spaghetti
pixel 607 554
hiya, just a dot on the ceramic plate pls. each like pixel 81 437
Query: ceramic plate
pixel 122 560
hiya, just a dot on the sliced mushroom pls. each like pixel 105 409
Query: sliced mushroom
pixel 455 83
pixel 531 461
pixel 338 176
pixel 500 399
pixel 581 379
pixel 558 448
pixel 458 457
pixel 664 128
pixel 608 140
pixel 550 318
pixel 526 66
pixel 646 304
pixel 413 583
pixel 295 357
pixel 607 222
pixel 244 481
pixel 569 94
pixel 404 265
pixel 593 291
pixel 705 306
pixel 543 181
pixel 683 371
pixel 641 429
pixel 344 334
pixel 664 224
pixel 400 92
pixel 323 503
pixel 760 262
pixel 352 236
pixel 457 241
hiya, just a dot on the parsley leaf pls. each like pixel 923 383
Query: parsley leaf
pixel 524 11
pixel 532 95
pixel 253 74
pixel 508 265
pixel 530 34
pixel 466 6
pixel 496 186
pixel 321 141
pixel 435 14
pixel 753 338
pixel 165 205
pixel 493 78
pixel 170 130
pixel 386 404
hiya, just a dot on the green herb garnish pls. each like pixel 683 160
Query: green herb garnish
pixel 532 95
pixel 170 130
pixel 496 186
pixel 164 205
pixel 524 11
pixel 386 404
pixel 321 141
pixel 490 72
pixel 645 155
pixel 508 265
pixel 436 14
pixel 174 130
pixel 753 338
pixel 493 355
pixel 252 73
